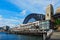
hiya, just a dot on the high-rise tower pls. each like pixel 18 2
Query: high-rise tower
pixel 49 12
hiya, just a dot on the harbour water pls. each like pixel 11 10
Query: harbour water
pixel 5 36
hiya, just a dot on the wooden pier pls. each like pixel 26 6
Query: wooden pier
pixel 36 32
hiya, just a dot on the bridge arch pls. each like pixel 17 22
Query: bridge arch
pixel 35 16
pixel 57 15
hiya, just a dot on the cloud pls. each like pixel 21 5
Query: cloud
pixel 23 12
pixel 0 17
pixel 25 5
pixel 7 13
pixel 10 22
pixel 5 5
pixel 34 6
pixel 10 18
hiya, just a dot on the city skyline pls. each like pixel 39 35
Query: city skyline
pixel 13 12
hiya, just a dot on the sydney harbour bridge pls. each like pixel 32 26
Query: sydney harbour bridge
pixel 38 17
pixel 57 16
pixel 49 15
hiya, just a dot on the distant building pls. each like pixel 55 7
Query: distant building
pixel 6 28
pixel 1 28
pixel 58 10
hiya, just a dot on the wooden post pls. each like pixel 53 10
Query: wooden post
pixel 44 37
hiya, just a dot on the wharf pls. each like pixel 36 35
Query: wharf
pixel 55 35
pixel 44 34
pixel 29 32
pixel 32 32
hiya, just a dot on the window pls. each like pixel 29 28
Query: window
pixel 47 14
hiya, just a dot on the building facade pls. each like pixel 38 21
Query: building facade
pixel 49 12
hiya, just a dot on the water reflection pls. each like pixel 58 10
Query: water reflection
pixel 4 36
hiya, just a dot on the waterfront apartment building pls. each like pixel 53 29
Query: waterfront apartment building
pixel 44 24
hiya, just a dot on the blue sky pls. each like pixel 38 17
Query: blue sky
pixel 13 12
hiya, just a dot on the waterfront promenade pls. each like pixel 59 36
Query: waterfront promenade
pixel 55 35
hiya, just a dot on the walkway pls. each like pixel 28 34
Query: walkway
pixel 55 36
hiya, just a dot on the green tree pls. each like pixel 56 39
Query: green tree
pixel 57 21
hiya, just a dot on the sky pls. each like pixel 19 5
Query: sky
pixel 13 12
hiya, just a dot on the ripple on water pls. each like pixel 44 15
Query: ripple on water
pixel 4 36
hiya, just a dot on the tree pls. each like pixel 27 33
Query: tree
pixel 57 22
